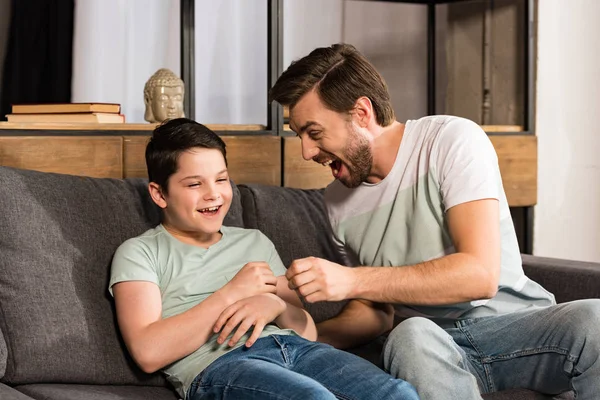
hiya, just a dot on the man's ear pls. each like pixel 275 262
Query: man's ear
pixel 363 111
pixel 157 195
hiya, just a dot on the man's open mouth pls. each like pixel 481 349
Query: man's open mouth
pixel 335 165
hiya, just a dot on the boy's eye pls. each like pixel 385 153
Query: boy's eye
pixel 222 180
pixel 194 184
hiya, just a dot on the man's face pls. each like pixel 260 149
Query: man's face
pixel 332 139
pixel 167 102
pixel 199 194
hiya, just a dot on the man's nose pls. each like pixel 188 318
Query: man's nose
pixel 309 149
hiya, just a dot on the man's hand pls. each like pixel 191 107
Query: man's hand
pixel 254 278
pixel 255 311
pixel 317 279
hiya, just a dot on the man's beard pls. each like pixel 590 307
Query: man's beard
pixel 359 159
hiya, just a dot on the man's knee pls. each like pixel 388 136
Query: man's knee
pixel 412 339
pixel 584 316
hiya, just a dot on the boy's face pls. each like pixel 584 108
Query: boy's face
pixel 199 194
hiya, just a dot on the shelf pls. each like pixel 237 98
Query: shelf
pixel 117 127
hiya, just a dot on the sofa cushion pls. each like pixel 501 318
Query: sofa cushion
pixel 8 393
pixel 296 222
pixel 524 394
pixel 59 235
pixel 96 392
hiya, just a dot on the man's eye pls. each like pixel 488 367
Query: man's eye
pixel 314 134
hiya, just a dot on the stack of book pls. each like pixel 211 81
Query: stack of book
pixel 66 113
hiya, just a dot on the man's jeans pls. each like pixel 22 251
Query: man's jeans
pixel 550 350
pixel 290 367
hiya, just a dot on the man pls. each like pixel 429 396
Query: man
pixel 420 211
pixel 202 301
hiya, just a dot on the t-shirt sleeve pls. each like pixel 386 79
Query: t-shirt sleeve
pixel 132 262
pixel 466 164
pixel 273 258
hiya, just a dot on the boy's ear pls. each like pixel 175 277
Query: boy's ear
pixel 157 195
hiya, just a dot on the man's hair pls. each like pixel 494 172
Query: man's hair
pixel 172 138
pixel 340 75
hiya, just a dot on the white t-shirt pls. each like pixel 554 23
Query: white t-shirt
pixel 442 161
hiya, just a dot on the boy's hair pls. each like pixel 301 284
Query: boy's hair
pixel 172 138
pixel 340 74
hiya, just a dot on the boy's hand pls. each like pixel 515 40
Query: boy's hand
pixel 255 311
pixel 254 278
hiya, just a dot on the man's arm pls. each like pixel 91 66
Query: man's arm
pixel 154 342
pixel 359 322
pixel 472 273
pixel 375 319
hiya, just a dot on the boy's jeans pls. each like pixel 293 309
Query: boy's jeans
pixel 550 350
pixel 290 367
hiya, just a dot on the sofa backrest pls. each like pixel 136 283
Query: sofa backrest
pixel 58 234
pixel 296 222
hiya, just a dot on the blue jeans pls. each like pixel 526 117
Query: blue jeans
pixel 286 367
pixel 550 350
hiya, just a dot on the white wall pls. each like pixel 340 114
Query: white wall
pixel 231 61
pixel 308 24
pixel 567 217
pixel 393 36
pixel 118 45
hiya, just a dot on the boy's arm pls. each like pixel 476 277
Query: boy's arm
pixel 155 342
pixel 284 308
pixel 295 316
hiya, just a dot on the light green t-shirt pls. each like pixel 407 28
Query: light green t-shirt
pixel 187 275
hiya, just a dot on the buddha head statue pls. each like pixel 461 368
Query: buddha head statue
pixel 163 96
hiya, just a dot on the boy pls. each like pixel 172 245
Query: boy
pixel 182 288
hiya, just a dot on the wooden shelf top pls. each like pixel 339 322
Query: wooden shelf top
pixel 118 127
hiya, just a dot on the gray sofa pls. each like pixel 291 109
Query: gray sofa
pixel 59 339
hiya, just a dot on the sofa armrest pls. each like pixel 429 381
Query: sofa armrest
pixel 568 280
pixel 8 393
